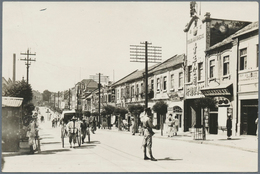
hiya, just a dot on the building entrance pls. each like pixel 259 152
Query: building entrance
pixel 213 123
pixel 249 109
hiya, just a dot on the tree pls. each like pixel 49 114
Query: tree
pixel 19 89
pixel 46 95
pixel 109 109
pixel 160 108
pixel 136 110
pixel 203 103
pixel 87 113
pixel 120 112
pixel 23 90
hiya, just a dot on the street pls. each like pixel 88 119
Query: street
pixel 115 151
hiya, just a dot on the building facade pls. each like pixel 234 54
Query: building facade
pixel 217 67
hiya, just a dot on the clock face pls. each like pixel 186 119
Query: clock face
pixel 222 29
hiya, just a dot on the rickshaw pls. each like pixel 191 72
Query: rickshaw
pixel 66 117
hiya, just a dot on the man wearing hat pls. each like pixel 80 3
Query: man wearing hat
pixel 148 133
pixel 71 127
pixel 84 126
pixel 229 127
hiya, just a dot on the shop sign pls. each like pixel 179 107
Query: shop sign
pixel 248 76
pixel 199 37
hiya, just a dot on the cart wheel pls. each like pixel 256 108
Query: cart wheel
pixel 79 138
pixel 62 137
pixel 88 137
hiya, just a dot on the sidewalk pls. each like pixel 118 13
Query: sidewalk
pixel 243 142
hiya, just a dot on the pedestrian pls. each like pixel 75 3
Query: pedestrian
pixel 42 119
pixel 92 120
pixel 229 127
pixel 256 122
pixel 133 126
pixel 109 121
pixel 170 126
pixel 148 133
pixel 72 130
pixel 32 133
pixel 83 127
pixel 175 126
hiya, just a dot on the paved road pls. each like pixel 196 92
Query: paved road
pixel 112 151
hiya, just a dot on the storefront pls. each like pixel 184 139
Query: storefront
pixel 11 120
pixel 217 117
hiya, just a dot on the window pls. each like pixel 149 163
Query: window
pixel 164 83
pixel 243 59
pixel 226 65
pixel 142 87
pixel 152 85
pixel 118 92
pixel 200 71
pixel 257 55
pixel 212 68
pixel 180 79
pixel 122 92
pixel 132 91
pixel 137 89
pixel 158 84
pixel 189 73
pixel 172 81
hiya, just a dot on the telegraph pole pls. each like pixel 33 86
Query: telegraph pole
pixel 99 100
pixel 145 53
pixel 28 62
pixel 69 99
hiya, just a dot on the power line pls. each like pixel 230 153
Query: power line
pixel 28 61
pixel 143 53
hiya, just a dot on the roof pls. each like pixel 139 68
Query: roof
pixel 177 59
pixel 90 83
pixel 171 62
pixel 251 27
pixel 224 42
pixel 134 75
pixel 11 101
pixel 4 80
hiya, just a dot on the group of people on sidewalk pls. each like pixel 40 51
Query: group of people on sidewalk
pixel 33 134
pixel 173 125
pixel 85 125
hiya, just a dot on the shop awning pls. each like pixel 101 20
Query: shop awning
pixel 221 90
pixel 11 101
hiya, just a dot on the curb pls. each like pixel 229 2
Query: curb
pixel 211 142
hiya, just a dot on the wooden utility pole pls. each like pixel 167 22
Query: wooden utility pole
pixel 69 99
pixel 99 100
pixel 28 62
pixel 145 53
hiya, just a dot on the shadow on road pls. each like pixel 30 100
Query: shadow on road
pixel 48 152
pixel 51 143
pixel 42 135
pixel 230 139
pixel 93 142
pixel 85 146
pixel 46 138
pixel 169 159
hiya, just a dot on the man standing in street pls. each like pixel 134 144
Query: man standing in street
pixel 71 127
pixel 148 133
pixel 229 127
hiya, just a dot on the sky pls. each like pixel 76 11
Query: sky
pixel 73 40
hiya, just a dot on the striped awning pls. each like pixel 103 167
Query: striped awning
pixel 221 90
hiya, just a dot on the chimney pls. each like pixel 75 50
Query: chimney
pixel 14 62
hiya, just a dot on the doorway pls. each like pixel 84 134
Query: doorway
pixel 249 110
pixel 213 123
